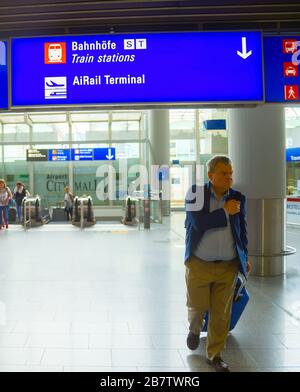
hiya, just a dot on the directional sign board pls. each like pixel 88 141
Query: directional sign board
pixel 3 76
pixel 104 154
pixel 137 68
pixel 73 154
pixel 282 77
pixel 37 155
pixel 59 155
pixel 93 154
pixel 293 154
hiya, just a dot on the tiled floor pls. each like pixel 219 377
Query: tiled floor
pixel 112 298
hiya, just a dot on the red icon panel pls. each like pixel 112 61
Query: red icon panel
pixel 289 46
pixel 55 53
pixel 291 92
pixel 290 69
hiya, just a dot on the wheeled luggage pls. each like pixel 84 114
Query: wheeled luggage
pixel 12 215
pixel 59 215
pixel 240 300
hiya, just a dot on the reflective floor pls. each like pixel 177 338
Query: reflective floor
pixel 112 298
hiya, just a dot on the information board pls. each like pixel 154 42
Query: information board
pixel 282 78
pixel 73 154
pixel 60 155
pixel 36 155
pixel 292 154
pixel 3 76
pixel 82 154
pixel 138 68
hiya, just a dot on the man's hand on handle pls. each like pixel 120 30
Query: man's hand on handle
pixel 232 206
pixel 248 267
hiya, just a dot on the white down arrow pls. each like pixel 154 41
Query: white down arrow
pixel 244 54
pixel 109 156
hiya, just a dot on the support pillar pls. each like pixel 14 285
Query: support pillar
pixel 159 135
pixel 257 150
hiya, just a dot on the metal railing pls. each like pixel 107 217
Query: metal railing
pixel 143 207
pixel 31 210
pixel 83 211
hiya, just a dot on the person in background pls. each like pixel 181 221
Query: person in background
pixel 69 199
pixel 291 190
pixel 5 197
pixel 20 192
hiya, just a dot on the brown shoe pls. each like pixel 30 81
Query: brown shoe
pixel 219 365
pixel 192 341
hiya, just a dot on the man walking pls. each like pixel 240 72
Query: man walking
pixel 216 249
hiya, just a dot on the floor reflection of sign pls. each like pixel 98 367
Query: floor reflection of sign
pixel 291 93
pixel 56 87
pixel 290 69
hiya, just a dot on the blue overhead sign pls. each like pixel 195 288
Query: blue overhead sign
pixel 73 154
pixel 93 154
pixel 3 76
pixel 293 154
pixel 82 154
pixel 214 124
pixel 59 155
pixel 137 68
pixel 282 77
pixel 104 154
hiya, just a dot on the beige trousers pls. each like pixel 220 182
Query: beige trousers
pixel 210 287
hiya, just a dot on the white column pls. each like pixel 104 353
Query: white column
pixel 257 150
pixel 159 136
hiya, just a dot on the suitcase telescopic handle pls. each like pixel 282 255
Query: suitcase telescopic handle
pixel 244 280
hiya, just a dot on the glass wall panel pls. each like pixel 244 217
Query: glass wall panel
pixel 184 150
pixel 16 133
pixel 51 132
pixel 127 150
pixel 88 116
pixel 182 124
pixel 93 131
pixel 14 166
pixel 85 180
pixel 48 117
pixel 16 171
pixel 13 153
pixel 50 178
pixel 124 130
pixel 71 129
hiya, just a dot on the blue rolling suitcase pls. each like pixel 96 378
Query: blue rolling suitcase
pixel 240 300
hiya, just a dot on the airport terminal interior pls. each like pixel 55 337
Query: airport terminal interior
pixel 111 296
pixel 95 281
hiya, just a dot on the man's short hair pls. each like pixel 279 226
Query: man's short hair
pixel 212 163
